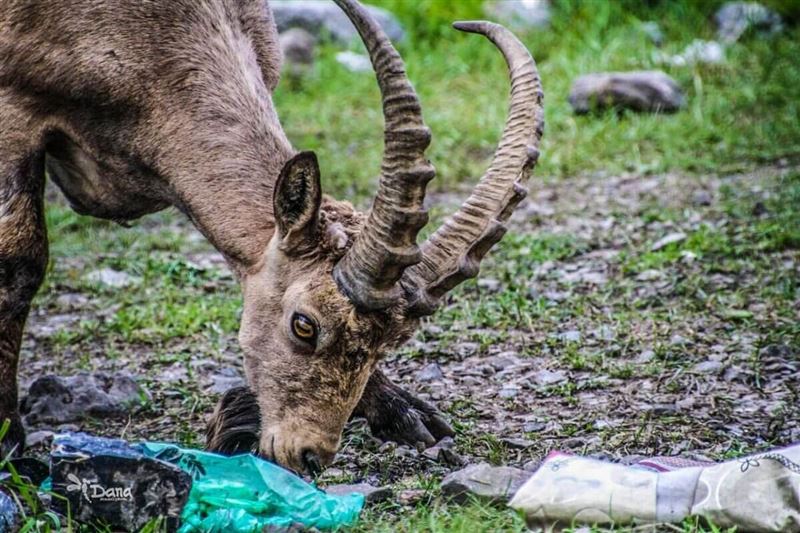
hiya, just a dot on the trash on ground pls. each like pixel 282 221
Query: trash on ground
pixel 759 493
pixel 126 486
pixel 244 493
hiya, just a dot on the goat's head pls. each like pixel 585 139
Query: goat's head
pixel 337 289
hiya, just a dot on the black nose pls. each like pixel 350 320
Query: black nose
pixel 312 463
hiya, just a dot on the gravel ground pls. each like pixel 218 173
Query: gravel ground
pixel 610 322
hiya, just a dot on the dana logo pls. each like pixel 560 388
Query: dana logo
pixel 93 491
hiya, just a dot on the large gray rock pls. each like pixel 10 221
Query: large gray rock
pixel 647 90
pixel 56 400
pixel 735 18
pixel 323 18
pixel 495 484
pixel 519 14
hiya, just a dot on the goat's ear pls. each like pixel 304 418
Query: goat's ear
pixel 296 201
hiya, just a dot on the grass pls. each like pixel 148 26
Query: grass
pixel 32 514
pixel 743 112
pixel 756 228
pixel 739 115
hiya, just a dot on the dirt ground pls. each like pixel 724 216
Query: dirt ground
pixel 608 342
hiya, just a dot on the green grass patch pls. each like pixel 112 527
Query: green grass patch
pixel 441 517
pixel 740 113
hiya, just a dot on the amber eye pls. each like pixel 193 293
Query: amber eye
pixel 304 328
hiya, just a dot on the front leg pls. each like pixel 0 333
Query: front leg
pixel 394 414
pixel 23 253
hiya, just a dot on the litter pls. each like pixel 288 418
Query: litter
pixel 125 486
pixel 758 493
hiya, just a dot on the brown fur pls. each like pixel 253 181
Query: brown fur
pixel 135 106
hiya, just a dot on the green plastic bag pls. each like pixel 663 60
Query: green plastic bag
pixel 243 493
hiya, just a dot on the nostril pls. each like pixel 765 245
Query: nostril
pixel 311 462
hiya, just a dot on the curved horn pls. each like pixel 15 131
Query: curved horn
pixel 369 272
pixel 454 252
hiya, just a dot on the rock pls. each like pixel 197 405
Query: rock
pixel 569 336
pixel 698 51
pixel 588 276
pixel 221 384
pixel 653 32
pixel 443 452
pixel 225 379
pixel 38 437
pixel 701 197
pixel 645 356
pixel 430 372
pixel 629 460
pixel 572 443
pixel 678 340
pixel 647 90
pixel 508 392
pixel 112 278
pixel 410 496
pixel 354 62
pixel 53 324
pixel 297 46
pixel 776 351
pixel 387 447
pixel 650 275
pixel 735 18
pixel 546 377
pixel 371 494
pixel 495 484
pixel 672 238
pixel 173 374
pixel 517 444
pixel 533 427
pixel 432 330
pixel 466 349
pixel 601 424
pixel 56 400
pixel 503 360
pixel 324 19
pixel 72 300
pixel 605 333
pixel 685 405
pixel 519 14
pixel 659 409
pixel 489 284
pixel 406 451
pixel 688 257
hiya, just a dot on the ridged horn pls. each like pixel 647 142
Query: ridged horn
pixel 369 272
pixel 454 252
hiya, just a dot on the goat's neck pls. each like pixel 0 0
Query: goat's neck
pixel 226 186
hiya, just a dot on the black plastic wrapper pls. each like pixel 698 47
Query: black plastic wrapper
pixel 110 483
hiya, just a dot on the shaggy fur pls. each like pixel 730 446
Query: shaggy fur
pixel 135 106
